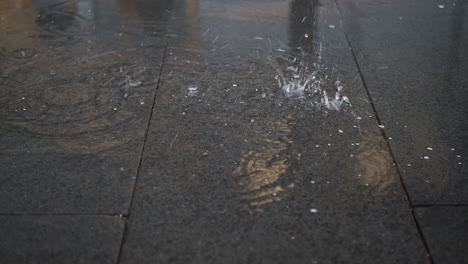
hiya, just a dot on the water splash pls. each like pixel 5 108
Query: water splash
pixel 308 82
pixel 192 90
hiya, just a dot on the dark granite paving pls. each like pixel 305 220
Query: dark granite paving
pixel 77 90
pixel 234 172
pixel 60 239
pixel 414 58
pixel 233 131
pixel 445 229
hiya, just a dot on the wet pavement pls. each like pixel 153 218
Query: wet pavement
pixel 205 131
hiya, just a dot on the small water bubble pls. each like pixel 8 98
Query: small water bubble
pixel 458 156
pixel 252 120
pixel 426 157
pixel 331 26
pixel 115 109
pixel 358 118
pixel 23 97
pixel 234 85
pixel 192 90
pixel 382 126
pixel 452 149
pixel 441 6
pixel 341 131
pixel 133 83
pixel 409 164
pixel 313 210
pixel 142 103
pixel 313 182
pixel 429 148
pixel 306 35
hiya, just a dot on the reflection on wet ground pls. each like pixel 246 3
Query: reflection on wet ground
pixel 222 131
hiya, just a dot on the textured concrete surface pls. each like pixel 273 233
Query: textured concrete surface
pixel 233 131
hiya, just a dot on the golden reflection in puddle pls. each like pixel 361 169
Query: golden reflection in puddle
pixel 259 172
pixel 192 12
pixel 375 165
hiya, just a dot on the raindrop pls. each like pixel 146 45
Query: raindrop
pixel 193 90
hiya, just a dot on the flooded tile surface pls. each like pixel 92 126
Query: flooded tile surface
pixel 266 152
pixel 413 55
pixel 232 131
pixel 60 239
pixel 76 91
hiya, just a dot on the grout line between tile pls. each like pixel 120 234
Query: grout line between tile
pixel 125 231
pixel 402 182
